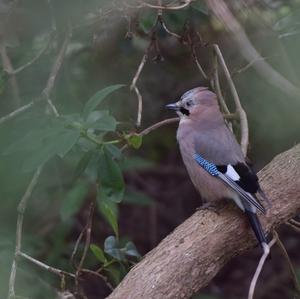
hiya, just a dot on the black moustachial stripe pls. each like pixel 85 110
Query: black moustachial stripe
pixel 248 179
pixel 184 111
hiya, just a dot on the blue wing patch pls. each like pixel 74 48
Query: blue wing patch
pixel 212 169
pixel 206 165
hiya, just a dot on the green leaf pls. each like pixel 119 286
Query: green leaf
pixel 137 198
pixel 111 247
pixel 114 151
pixel 101 120
pixel 73 201
pixel 200 6
pixel 98 253
pixel 112 184
pixel 288 23
pixel 109 211
pixel 147 21
pixel 98 97
pixel 114 273
pixel 30 141
pixel 131 250
pixel 44 141
pixel 135 140
pixel 59 142
pixel 68 140
pixel 82 164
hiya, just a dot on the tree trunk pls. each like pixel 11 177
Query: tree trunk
pixel 187 259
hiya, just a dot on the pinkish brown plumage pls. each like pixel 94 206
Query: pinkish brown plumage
pixel 202 132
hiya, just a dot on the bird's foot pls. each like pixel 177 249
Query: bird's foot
pixel 211 206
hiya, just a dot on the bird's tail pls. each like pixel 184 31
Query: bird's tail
pixel 258 231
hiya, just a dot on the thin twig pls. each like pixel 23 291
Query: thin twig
pixel 164 26
pixel 178 7
pixel 248 51
pixel 46 267
pixel 159 10
pixel 7 66
pixel 55 69
pixel 87 229
pixel 296 228
pixel 135 88
pixel 217 86
pixel 74 252
pixel 16 112
pixel 153 128
pixel 32 61
pixel 231 116
pixel 51 10
pixel 239 108
pixel 6 62
pixel 258 269
pixel 139 70
pixel 194 54
pixel 248 65
pixel 295 222
pixel 22 205
pixel 102 277
pixel 21 210
pixel 291 268
pixel 49 85
pixel 158 125
pixel 140 107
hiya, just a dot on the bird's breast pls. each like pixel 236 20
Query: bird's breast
pixel 210 188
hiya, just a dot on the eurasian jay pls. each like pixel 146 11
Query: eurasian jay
pixel 213 157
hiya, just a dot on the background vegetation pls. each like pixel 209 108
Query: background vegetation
pixel 80 130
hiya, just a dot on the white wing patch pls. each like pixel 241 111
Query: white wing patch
pixel 230 172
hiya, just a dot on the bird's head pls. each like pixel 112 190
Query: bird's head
pixel 194 102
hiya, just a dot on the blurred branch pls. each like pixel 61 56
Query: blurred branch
pixel 187 259
pixel 158 125
pixel 49 85
pixel 290 265
pixel 259 269
pixel 21 210
pixel 56 271
pixel 294 222
pixel 102 277
pixel 55 69
pixel 153 128
pixel 167 7
pixel 238 106
pixel 135 88
pixel 164 26
pixel 296 228
pixel 7 66
pixel 217 87
pixel 23 203
pixel 198 63
pixel 32 61
pixel 16 112
pixel 248 65
pixel 87 230
pixel 247 50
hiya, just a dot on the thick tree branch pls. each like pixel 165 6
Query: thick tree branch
pixel 248 51
pixel 187 259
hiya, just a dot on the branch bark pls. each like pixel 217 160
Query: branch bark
pixel 187 259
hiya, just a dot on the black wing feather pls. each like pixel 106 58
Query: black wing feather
pixel 248 179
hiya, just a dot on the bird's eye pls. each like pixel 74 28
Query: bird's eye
pixel 189 103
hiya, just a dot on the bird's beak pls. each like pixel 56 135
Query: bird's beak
pixel 173 106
